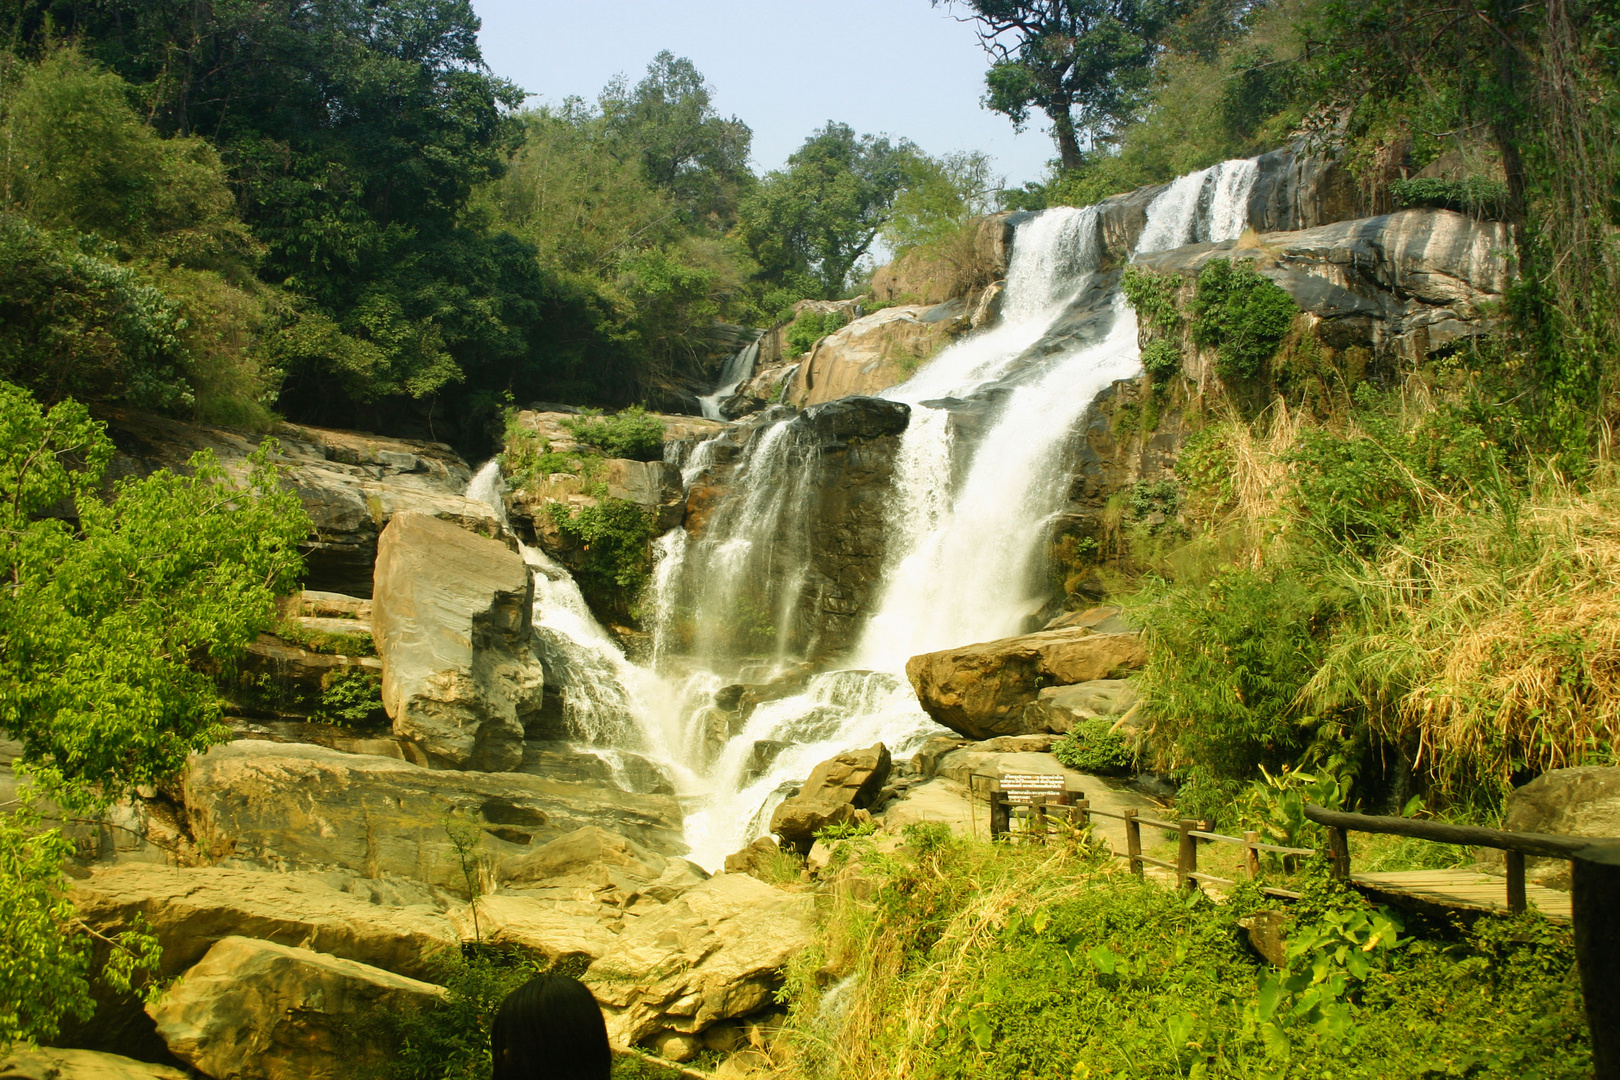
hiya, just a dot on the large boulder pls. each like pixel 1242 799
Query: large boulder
pixel 452 618
pixel 296 807
pixel 836 789
pixel 984 690
pixel 592 863
pixel 191 908
pixel 1583 801
pixel 1059 708
pixel 51 1063
pixel 876 351
pixel 714 954
pixel 553 933
pixel 255 1010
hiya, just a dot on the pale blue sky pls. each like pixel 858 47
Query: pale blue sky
pixel 899 67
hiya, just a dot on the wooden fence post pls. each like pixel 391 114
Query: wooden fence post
pixel 1595 898
pixel 1517 900
pixel 1338 852
pixel 1187 854
pixel 999 811
pixel 1037 819
pixel 1133 841
pixel 1251 857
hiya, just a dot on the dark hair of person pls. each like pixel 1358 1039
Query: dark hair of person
pixel 551 1028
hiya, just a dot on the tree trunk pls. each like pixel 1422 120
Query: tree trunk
pixel 1063 131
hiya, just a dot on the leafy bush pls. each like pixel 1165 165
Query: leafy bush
pixel 1242 314
pixel 1162 359
pixel 349 697
pixel 809 328
pixel 1153 295
pixel 1469 195
pixel 629 433
pixel 1093 747
pixel 615 536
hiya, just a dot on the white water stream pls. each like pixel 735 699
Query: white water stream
pixel 967 529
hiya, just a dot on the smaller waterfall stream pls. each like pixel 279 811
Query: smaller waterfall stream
pixel 739 368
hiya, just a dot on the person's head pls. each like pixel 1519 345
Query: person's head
pixel 550 1028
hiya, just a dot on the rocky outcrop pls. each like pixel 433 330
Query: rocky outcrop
pixel 190 909
pixel 452 620
pixel 924 277
pixel 351 483
pixel 876 351
pixel 549 932
pixel 253 1010
pixel 984 690
pixel 712 955
pixel 1583 801
pixel 49 1063
pixel 603 867
pixel 1059 708
pixel 836 790
pixel 298 807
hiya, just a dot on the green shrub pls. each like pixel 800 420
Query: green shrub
pixel 349 697
pixel 615 536
pixel 324 641
pixel 1162 359
pixel 629 433
pixel 1242 314
pixel 809 328
pixel 1470 195
pixel 1093 747
pixel 1153 295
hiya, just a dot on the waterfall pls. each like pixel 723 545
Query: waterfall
pixel 969 516
pixel 738 369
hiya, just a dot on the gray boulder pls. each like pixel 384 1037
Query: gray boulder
pixel 1059 708
pixel 837 789
pixel 451 615
pixel 1583 801
pixel 254 1010
pixel 301 807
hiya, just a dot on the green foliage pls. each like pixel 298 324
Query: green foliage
pixel 1242 314
pixel 324 641
pixel 1014 963
pixel 941 196
pixel 102 629
pixel 1093 747
pixel 629 433
pixel 615 536
pixel 1153 296
pixel 846 830
pixel 1470 195
pixel 350 697
pixel 810 327
pixel 1162 359
pixel 1227 663
pixel 808 225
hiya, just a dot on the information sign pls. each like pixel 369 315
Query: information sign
pixel 1023 787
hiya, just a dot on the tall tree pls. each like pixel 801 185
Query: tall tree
pixel 809 224
pixel 686 147
pixel 1085 63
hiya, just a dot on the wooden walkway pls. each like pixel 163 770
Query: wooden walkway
pixel 1467 889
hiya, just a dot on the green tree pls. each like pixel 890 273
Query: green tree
pixel 809 224
pixel 686 148
pixel 940 197
pixel 1087 64
pixel 108 634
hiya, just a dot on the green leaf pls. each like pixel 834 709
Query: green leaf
pixel 1103 959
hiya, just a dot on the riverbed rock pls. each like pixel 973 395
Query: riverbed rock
pixel 452 619
pixel 1059 708
pixel 191 908
pixel 255 1010
pixel 593 863
pixel 714 954
pixel 51 1063
pixel 983 690
pixel 876 351
pixel 297 807
pixel 1583 801
pixel 553 933
pixel 754 858
pixel 351 483
pixel 837 789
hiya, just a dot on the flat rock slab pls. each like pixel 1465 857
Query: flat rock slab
pixel 550 932
pixel 190 909
pixel 48 1063
pixel 254 1010
pixel 714 954
pixel 301 807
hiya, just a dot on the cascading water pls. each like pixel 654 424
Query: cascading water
pixel 969 516
pixel 739 367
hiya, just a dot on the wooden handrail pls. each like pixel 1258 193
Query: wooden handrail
pixel 1548 845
